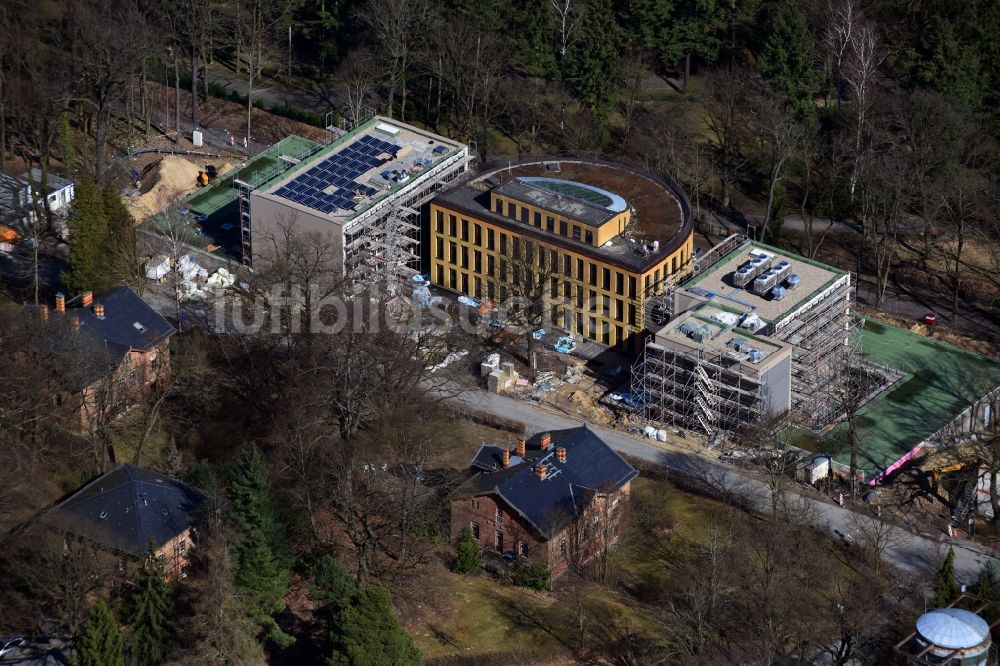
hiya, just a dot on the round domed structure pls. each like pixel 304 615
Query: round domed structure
pixel 953 636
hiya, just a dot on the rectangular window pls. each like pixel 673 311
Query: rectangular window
pixel 440 279
pixel 673 265
pixel 554 287
pixel 490 293
pixel 478 259
pixel 579 269
pixel 593 275
pixel 440 248
pixel 452 222
pixel 499 515
pixel 631 286
pixel 619 309
pixel 475 504
pixel 503 243
pixel 550 223
pixel 511 210
pixel 619 335
pixel 465 283
pixel 589 237
pixel 440 222
pixel 474 526
pixel 452 278
pixel 524 215
pixel 503 268
pixel 498 541
pixel 567 265
pixel 498 205
pixel 562 547
pixel 538 219
pixel 490 238
pixel 452 252
pixel 619 283
pixel 606 278
pixel 479 287
pixel 465 257
pixel 522 549
pixel 490 265
pixel 477 235
pixel 516 243
pixel 465 229
pixel 562 227
pixel 633 315
pixel 576 232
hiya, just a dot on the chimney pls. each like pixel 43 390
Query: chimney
pixel 98 310
pixel 87 299
pixel 43 312
pixel 506 458
pixel 541 471
pixel 546 441
pixel 561 454
pixel 60 302
pixel 522 447
pixel 75 323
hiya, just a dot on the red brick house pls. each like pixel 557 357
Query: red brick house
pixel 129 508
pixel 109 352
pixel 555 500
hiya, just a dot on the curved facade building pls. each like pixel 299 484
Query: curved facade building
pixel 584 241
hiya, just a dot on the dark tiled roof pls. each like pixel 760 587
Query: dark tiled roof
pixel 129 506
pixel 551 503
pixel 128 322
pixel 83 357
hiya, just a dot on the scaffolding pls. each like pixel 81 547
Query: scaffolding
pixel 386 237
pixel 704 391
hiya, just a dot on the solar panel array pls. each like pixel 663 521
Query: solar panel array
pixel 340 169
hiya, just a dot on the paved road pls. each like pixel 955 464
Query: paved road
pixel 914 553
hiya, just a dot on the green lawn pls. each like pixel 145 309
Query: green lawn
pixel 940 381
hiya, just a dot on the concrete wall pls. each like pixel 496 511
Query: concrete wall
pixel 270 216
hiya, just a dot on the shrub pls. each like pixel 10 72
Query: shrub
pixel 467 557
pixel 537 577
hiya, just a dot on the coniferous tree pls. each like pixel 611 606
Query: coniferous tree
pixel 99 641
pixel 149 609
pixel 467 556
pixel 788 60
pixel 122 258
pixel 367 633
pixel 260 568
pixel 333 585
pixel 945 586
pixel 593 60
pixel 88 240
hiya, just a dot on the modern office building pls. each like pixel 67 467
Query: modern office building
pixel 599 238
pixel 361 193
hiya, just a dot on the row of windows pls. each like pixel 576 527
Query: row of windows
pixel 498 290
pixel 525 215
pixel 498 541
pixel 547 259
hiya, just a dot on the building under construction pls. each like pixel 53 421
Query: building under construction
pixel 361 193
pixel 756 333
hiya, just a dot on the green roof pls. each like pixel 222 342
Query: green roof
pixel 940 382
pixel 259 169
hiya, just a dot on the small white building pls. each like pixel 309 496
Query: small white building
pixel 59 191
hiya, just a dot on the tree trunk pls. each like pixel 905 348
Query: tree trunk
pixel 102 136
pixel 194 86
pixel 687 70
pixel 177 99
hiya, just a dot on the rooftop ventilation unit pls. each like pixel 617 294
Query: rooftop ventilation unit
pixel 778 293
pixel 793 282
pixel 701 334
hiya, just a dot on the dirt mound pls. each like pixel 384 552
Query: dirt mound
pixel 176 177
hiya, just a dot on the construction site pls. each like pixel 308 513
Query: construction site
pixel 361 191
pixel 759 334
pixel 755 332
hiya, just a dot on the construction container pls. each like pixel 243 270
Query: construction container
pixel 816 469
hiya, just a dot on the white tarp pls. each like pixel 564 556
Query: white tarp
pixel 727 318
pixel 157 267
pixel 221 278
pixel 190 270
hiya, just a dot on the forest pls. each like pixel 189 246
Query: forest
pixel 860 132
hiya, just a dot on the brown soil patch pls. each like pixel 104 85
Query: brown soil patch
pixel 175 178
